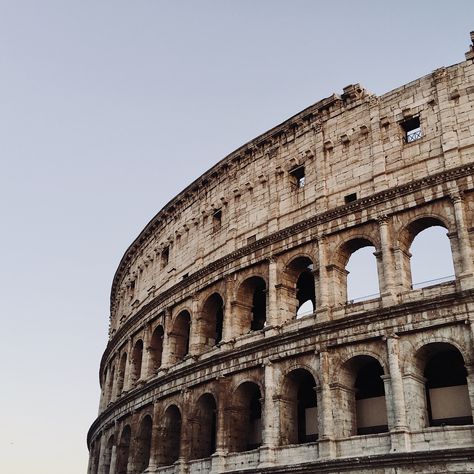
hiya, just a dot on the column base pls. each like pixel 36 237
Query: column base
pixel 466 281
pixel 218 462
pixel 180 467
pixel 400 440
pixel 267 457
pixel 327 448
pixel 323 314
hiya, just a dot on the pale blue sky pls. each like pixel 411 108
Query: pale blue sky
pixel 107 110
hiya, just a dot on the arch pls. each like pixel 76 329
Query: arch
pixel 349 281
pixel 121 374
pixel 143 445
pixel 179 336
pixel 445 393
pixel 203 443
pixel 170 446
pixel 298 415
pixel 123 450
pixel 431 240
pixel 95 456
pixel 362 396
pixel 137 358
pixel 362 282
pixel 212 321
pixel 299 277
pixel 108 454
pixel 413 254
pixel 110 386
pixel 251 305
pixel 156 348
pixel 245 430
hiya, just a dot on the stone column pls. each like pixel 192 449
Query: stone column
pixel 166 354
pixel 270 418
pixel 218 458
pixel 463 240
pixel 145 372
pixel 272 307
pixel 322 295
pixel 194 329
pixel 227 330
pixel 113 459
pixel 127 379
pixel 388 267
pixel 470 385
pixel 326 420
pixel 156 438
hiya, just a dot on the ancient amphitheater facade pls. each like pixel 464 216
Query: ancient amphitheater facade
pixel 211 368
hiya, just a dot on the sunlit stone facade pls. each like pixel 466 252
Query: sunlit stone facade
pixel 211 364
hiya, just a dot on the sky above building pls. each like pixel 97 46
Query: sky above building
pixel 107 110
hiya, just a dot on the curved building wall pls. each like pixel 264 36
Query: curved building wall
pixel 209 369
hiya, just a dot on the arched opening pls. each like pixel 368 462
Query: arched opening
pixel 361 398
pixel 300 277
pixel 121 373
pixel 156 349
pixel 246 420
pixel 108 454
pixel 369 388
pixel 251 305
pixel 169 448
pixel 137 357
pixel 361 268
pixel 446 390
pixel 143 445
pixel 430 254
pixel 179 337
pixel 212 321
pixel 205 424
pixel 299 415
pixel 123 450
pixel 95 456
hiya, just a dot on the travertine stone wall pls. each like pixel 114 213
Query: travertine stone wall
pixel 207 367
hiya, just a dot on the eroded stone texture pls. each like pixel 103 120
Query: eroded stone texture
pixel 208 369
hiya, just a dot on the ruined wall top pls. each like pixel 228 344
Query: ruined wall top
pixel 338 151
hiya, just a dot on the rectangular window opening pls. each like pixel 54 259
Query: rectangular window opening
pixel 350 198
pixel 165 257
pixel 217 220
pixel 298 177
pixel 411 129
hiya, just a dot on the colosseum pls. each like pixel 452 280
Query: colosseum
pixel 212 366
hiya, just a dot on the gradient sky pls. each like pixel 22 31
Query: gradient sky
pixel 107 110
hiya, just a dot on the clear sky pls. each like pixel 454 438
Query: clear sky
pixel 107 110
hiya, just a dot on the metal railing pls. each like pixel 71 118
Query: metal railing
pixel 413 135
pixel 363 298
pixel 435 281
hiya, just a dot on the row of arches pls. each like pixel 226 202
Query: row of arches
pixel 250 308
pixel 359 405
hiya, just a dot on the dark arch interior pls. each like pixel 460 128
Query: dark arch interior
pixel 213 317
pixel 143 445
pixel 246 428
pixel 447 394
pixel 371 411
pixel 123 450
pixel 137 357
pixel 204 435
pixel 156 348
pixel 181 335
pixel 170 446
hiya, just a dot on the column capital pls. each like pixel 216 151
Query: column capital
pixel 382 219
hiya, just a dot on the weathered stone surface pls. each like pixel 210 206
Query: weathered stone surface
pixel 208 369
